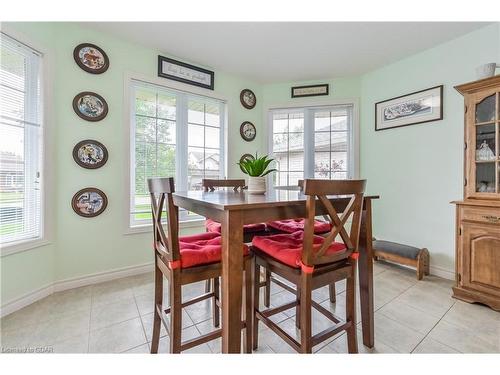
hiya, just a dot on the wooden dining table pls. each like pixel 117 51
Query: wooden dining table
pixel 235 209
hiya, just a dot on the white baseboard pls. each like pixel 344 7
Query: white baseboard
pixel 100 277
pixel 433 270
pixel 58 286
pixel 442 272
pixel 25 300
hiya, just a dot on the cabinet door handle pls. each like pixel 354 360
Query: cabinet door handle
pixel 492 219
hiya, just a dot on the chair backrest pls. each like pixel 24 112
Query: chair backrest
pixel 166 244
pixel 317 192
pixel 210 184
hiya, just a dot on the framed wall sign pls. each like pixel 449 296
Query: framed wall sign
pixel 184 72
pixel 415 108
pixel 311 90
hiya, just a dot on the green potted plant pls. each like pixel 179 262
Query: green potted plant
pixel 256 169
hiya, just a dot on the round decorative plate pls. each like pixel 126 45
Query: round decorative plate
pixel 90 106
pixel 248 98
pixel 90 154
pixel 248 131
pixel 91 58
pixel 246 157
pixel 89 202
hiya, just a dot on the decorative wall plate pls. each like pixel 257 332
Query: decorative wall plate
pixel 90 154
pixel 90 106
pixel 248 131
pixel 89 202
pixel 246 157
pixel 91 58
pixel 248 98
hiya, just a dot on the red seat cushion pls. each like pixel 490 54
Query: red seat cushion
pixel 215 227
pixel 287 248
pixel 203 248
pixel 294 225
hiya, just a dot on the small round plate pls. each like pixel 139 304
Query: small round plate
pixel 90 154
pixel 89 202
pixel 248 99
pixel 90 106
pixel 246 157
pixel 248 131
pixel 91 58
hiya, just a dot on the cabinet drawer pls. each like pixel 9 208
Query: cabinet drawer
pixel 481 215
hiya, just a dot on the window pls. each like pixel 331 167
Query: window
pixel 312 143
pixel 288 147
pixel 20 142
pixel 173 133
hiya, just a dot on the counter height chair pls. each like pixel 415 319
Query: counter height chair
pixel 309 262
pixel 289 226
pixel 249 230
pixel 186 260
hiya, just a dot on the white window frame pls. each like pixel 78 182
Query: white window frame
pixel 308 106
pixel 181 141
pixel 47 144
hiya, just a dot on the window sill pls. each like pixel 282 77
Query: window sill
pixel 148 228
pixel 21 246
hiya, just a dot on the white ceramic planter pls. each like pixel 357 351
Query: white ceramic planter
pixel 256 185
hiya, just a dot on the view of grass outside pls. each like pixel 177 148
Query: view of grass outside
pixel 155 144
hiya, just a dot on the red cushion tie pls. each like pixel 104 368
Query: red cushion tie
pixel 305 268
pixel 354 256
pixel 174 264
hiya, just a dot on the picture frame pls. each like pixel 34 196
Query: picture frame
pixel 186 73
pixel 91 58
pixel 248 98
pixel 248 131
pixel 90 154
pixel 90 106
pixel 310 90
pixel 89 202
pixel 410 109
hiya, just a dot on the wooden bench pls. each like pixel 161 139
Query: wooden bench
pixel 402 254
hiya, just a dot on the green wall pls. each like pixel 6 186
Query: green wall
pixel 83 246
pixel 417 170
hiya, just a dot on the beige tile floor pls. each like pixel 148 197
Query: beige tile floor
pixel 116 317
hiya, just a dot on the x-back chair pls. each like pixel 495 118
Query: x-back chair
pixel 186 260
pixel 309 261
pixel 249 230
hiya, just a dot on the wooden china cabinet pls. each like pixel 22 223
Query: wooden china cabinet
pixel 478 214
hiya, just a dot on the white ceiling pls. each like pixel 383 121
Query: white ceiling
pixel 289 51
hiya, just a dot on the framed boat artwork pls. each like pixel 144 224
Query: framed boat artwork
pixel 410 109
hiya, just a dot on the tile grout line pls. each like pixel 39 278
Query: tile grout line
pixel 142 323
pixel 90 316
pixel 434 326
pixel 374 311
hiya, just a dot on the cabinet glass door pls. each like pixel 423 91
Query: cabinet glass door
pixel 487 149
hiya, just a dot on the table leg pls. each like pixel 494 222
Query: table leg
pixel 366 275
pixel 232 281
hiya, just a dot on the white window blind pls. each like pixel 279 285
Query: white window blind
pixel 20 142
pixel 312 143
pixel 173 134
